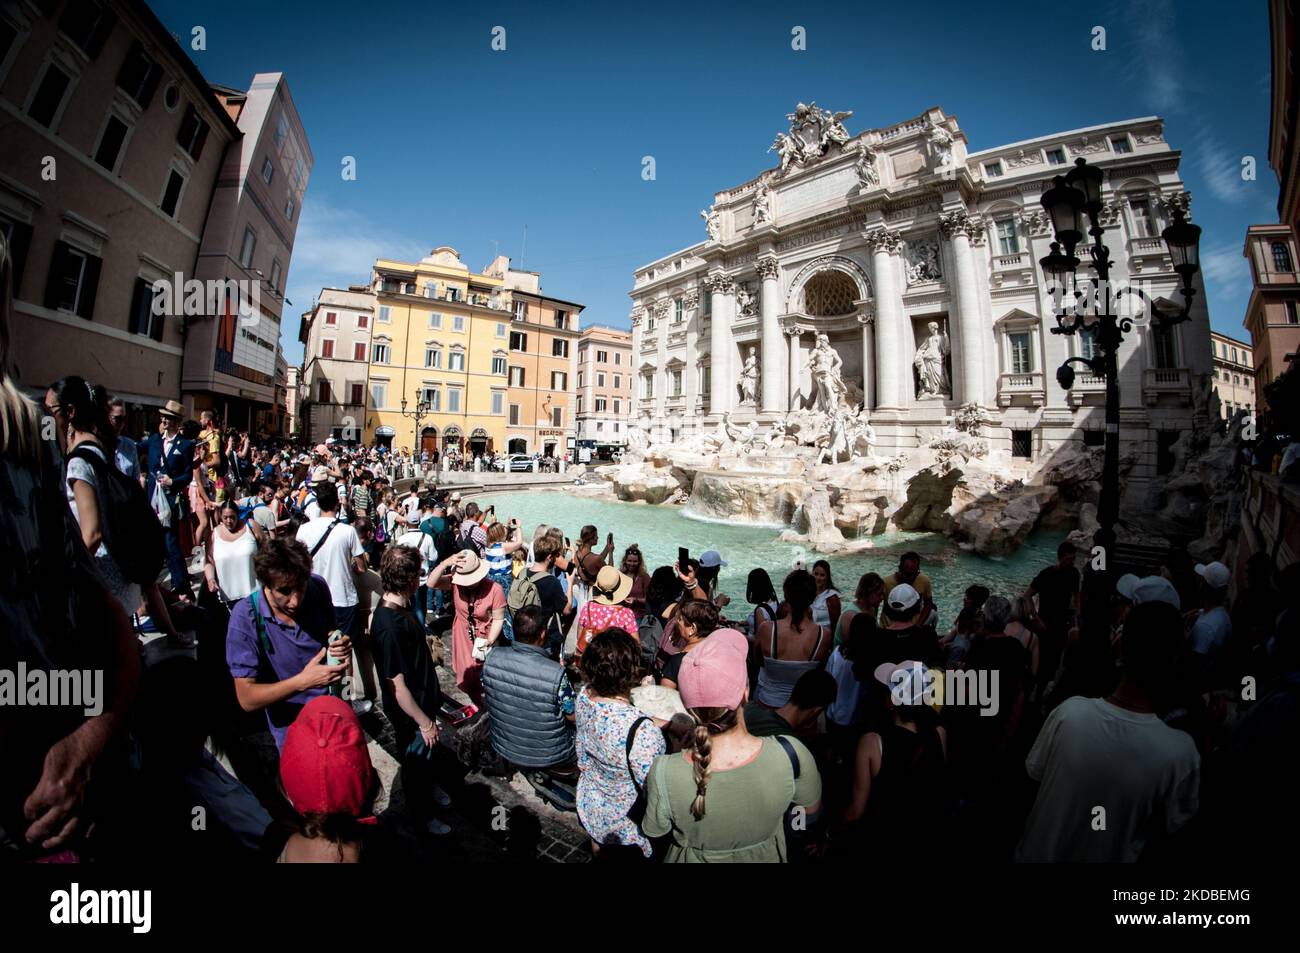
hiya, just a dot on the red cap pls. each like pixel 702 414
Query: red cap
pixel 325 767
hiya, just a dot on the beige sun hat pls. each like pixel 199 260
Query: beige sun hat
pixel 611 587
pixel 471 570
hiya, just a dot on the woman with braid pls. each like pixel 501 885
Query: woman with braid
pixel 725 799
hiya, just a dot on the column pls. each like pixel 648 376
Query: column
pixel 868 360
pixel 959 227
pixel 691 385
pixel 890 362
pixel 721 382
pixel 772 358
pixel 792 334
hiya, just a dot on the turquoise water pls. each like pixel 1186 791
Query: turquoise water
pixel 659 530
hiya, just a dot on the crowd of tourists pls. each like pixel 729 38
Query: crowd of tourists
pixel 1062 722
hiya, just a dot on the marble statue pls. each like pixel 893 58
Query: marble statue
pixel 742 439
pixel 786 150
pixel 746 306
pixel 923 262
pixel 813 131
pixel 835 134
pixel 712 223
pixel 836 441
pixel 931 365
pixel 749 378
pixel 781 434
pixel 825 364
pixel 763 205
pixel 941 140
pixel 865 167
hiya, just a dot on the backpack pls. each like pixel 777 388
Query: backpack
pixel 523 592
pixel 131 529
pixel 381 531
pixel 448 543
pixel 649 631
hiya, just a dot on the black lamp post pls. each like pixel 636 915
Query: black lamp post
pixel 420 411
pixel 1067 202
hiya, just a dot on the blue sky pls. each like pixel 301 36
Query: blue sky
pixel 457 144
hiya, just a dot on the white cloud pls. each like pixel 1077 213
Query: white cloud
pixel 1220 169
pixel 1225 269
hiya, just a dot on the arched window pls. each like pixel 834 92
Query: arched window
pixel 1281 257
pixel 829 293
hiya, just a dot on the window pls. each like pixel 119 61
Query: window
pixel 1234 355
pixel 379 394
pixel 579 405
pixel 268 170
pixel 323 391
pixel 431 290
pixel 557 416
pixel 617 358
pixel 521 310
pixel 458 323
pixel 289 208
pixel 675 382
pixel 385 314
pixel 580 379
pixel 602 357
pixel 49 95
pixel 1236 379
pixel 247 248
pixel 456 361
pixel 73 281
pixel 1008 242
pixel 600 379
pixel 327 348
pixel 453 400
pixel 706 381
pixel 281 130
pixel 516 377
pixel 1215 372
pixel 1022 443
pixel 276 274
pixel 433 357
pixel 1141 210
pixel 993 169
pixel 514 415
pixel 359 350
pixel 172 194
pixel 453 294
pixel 380 354
pixel 501 329
pixel 616 405
pixel 679 311
pixel 435 321
pixel 560 347
pixel 331 318
pixel 193 133
pixel 1163 343
pixel 433 397
pixel 363 321
pixel 1021 359
pixel 139 75
pixel 1281 257
pixel 559 380
pixel 650 321
pixel 357 395
pixel 1056 156
pixel 498 364
pixel 1088 341
pixel 1121 144
pixel 88 24
pixel 561 319
pixel 110 143
pixel 600 405
pixel 518 341
pixel 647 384
pixel 1292 313
pixel 142 320
pixel 498 403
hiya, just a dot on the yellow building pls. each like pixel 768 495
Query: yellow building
pixel 441 338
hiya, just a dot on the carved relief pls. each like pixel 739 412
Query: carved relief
pixel 923 261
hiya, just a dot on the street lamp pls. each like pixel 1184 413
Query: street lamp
pixel 1066 202
pixel 421 410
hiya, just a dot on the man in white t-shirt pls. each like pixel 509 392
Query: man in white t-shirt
pixel 1212 627
pixel 1113 775
pixel 423 542
pixel 336 554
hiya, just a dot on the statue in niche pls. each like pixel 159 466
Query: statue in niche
pixel 763 205
pixel 746 306
pixel 941 141
pixel 749 378
pixel 824 364
pixel 865 167
pixel 931 364
pixel 711 222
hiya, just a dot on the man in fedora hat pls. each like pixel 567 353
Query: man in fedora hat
pixel 171 466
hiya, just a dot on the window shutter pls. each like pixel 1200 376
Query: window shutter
pixel 203 137
pixel 91 280
pixel 157 321
pixel 52 281
pixel 107 21
pixel 137 299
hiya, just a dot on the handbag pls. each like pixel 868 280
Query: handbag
pixel 635 813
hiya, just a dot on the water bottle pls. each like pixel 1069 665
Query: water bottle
pixel 336 689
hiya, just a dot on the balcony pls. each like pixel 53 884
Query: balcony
pixel 1028 388
pixel 1016 269
pixel 1086 385
pixel 1157 381
pixel 1149 254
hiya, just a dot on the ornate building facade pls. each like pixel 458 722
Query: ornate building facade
pixel 911 265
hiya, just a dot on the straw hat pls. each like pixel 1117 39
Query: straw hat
pixel 172 409
pixel 611 587
pixel 471 570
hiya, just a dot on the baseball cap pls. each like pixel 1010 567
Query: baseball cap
pixel 325 767
pixel 903 597
pixel 1216 575
pixel 455 497
pixel 1148 589
pixel 714 674
pixel 711 558
pixel 908 682
pixel 320 475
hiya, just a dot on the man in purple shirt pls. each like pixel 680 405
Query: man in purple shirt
pixel 277 639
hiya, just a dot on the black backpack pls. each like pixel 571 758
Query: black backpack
pixel 447 543
pixel 131 529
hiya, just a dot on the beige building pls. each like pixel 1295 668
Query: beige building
pixel 291 399
pixel 1273 314
pixel 336 336
pixel 112 146
pixel 603 404
pixel 1233 375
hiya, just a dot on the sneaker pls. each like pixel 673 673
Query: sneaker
pixel 440 797
pixel 437 828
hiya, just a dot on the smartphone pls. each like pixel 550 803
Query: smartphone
pixel 458 716
pixel 683 557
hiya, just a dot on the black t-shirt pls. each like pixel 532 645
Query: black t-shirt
pixel 1056 588
pixel 672 668
pixel 400 649
pixel 551 593
pixel 1009 659
pixel 916 643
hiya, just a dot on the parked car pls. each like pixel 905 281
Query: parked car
pixel 515 463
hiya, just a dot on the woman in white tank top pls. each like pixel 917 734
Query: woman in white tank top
pixel 229 568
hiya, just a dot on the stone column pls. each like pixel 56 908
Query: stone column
pixel 720 287
pixel 960 228
pixel 890 359
pixel 868 359
pixel 792 334
pixel 772 358
pixel 691 385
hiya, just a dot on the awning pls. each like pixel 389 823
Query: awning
pixel 385 431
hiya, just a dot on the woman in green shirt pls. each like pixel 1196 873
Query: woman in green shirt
pixel 725 800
